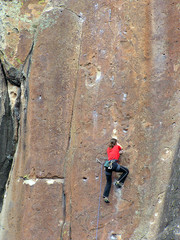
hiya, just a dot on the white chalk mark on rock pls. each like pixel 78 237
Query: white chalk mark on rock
pixel 104 131
pixel 114 131
pixel 30 182
pixel 156 214
pixel 166 154
pixel 95 118
pixel 98 76
pixel 49 181
pixel 124 97
pixel 94 80
pixel 96 6
pixel 52 181
pixel 112 80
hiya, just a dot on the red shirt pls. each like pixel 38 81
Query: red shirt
pixel 113 153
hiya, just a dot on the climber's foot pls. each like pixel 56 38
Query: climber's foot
pixel 106 199
pixel 118 184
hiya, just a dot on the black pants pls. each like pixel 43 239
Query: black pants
pixel 116 168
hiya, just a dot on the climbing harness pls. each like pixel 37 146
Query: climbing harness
pixel 97 160
pixel 109 163
pixel 106 164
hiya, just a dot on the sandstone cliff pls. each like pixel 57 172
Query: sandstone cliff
pixel 73 74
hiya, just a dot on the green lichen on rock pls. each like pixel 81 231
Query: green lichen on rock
pixel 26 177
pixel 41 2
pixel 46 21
pixel 19 61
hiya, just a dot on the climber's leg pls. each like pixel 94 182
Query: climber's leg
pixel 108 185
pixel 124 174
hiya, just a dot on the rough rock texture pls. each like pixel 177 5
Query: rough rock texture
pixel 6 135
pixel 86 71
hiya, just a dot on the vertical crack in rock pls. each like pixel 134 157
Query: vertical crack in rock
pixel 27 62
pixel 70 233
pixel 26 67
pixel 25 86
pixel 75 89
pixel 10 123
pixel 71 122
pixel 69 137
pixel 64 210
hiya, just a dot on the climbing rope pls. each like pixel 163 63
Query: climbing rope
pixel 99 199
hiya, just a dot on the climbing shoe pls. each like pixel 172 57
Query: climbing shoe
pixel 106 200
pixel 118 184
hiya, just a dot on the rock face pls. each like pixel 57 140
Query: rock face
pixel 73 75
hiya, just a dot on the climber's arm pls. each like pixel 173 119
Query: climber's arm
pixel 120 148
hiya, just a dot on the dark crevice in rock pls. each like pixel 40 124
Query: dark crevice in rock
pixel 7 148
pixel 26 71
pixel 16 115
pixel 64 211
pixel 14 76
pixel 63 7
pixel 70 238
pixel 70 207
pixel 7 141
pixel 27 63
pixel 77 15
pixel 11 74
pixel 25 87
pixel 41 178
pixel 53 177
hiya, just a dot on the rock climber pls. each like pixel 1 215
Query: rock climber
pixel 113 152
